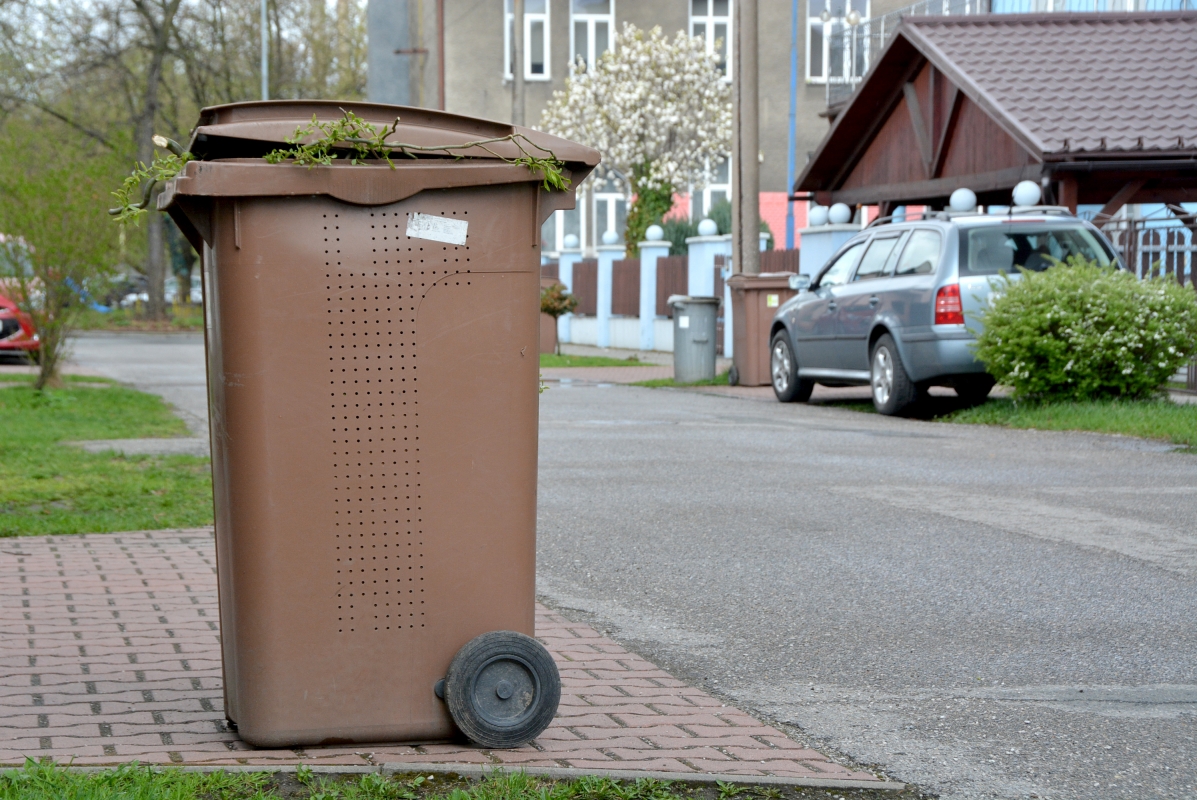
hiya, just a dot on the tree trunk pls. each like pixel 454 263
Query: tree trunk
pixel 161 31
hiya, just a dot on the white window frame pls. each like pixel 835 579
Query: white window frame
pixel 705 193
pixel 611 199
pixel 708 22
pixel 826 28
pixel 529 18
pixel 590 56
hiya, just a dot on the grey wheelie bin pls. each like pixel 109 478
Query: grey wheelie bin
pixel 373 395
pixel 694 325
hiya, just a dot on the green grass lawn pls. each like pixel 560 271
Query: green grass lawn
pixel 132 782
pixel 554 360
pixel 718 380
pixel 46 487
pixel 1149 419
pixel 179 317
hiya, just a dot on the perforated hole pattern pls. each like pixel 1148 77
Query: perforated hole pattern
pixel 373 389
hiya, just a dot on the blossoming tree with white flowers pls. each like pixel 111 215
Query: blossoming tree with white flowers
pixel 658 110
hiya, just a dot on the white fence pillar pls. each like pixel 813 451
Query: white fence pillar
pixel 608 254
pixel 650 251
pixel 565 274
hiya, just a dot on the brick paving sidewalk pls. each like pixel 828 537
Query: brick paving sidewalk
pixel 111 654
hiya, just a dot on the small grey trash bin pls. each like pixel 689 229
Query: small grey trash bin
pixel 693 337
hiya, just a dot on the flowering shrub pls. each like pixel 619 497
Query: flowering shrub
pixel 658 110
pixel 1078 331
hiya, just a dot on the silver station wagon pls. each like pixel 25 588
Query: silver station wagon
pixel 897 307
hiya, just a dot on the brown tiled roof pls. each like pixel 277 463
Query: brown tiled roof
pixel 1075 82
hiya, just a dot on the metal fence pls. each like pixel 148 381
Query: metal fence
pixel 1158 245
pixel 854 48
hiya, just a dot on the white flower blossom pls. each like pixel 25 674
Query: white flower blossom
pixel 659 111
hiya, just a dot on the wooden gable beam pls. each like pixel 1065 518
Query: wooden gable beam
pixel 882 114
pixel 920 126
pixel 1120 198
pixel 948 131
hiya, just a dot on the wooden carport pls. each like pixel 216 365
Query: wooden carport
pixel 1097 108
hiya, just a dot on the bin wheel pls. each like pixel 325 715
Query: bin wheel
pixel 502 689
pixel 733 376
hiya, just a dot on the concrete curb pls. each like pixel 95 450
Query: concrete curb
pixel 484 770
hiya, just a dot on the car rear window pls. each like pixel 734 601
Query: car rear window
pixel 992 249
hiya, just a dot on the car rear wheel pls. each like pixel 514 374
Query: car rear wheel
pixel 893 391
pixel 783 370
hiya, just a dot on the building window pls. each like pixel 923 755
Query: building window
pixel 536 40
pixel 836 49
pixel 592 30
pixel 719 189
pixel 711 19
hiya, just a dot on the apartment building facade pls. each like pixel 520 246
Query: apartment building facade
pixel 472 74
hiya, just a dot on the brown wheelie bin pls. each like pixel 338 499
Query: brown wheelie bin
pixel 372 340
pixel 755 300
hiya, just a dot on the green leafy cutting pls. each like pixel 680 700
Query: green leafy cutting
pixel 351 135
pixel 143 179
pixel 365 141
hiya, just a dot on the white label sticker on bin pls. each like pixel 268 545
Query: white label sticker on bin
pixel 437 229
pixel 772 300
pixel 683 322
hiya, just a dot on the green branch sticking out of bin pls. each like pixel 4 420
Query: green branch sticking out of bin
pixel 143 179
pixel 362 139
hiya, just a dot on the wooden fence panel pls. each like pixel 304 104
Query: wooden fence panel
pixel 779 260
pixel 672 277
pixel 625 287
pixel 550 270
pixel 586 286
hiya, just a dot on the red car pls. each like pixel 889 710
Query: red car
pixel 16 329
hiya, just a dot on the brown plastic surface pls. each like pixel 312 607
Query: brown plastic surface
pixel 751 320
pixel 373 405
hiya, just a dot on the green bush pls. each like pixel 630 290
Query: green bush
pixel 1080 331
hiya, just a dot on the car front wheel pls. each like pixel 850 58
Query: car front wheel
pixel 893 391
pixel 783 370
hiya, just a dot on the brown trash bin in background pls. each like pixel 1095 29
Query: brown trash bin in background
pixel 755 299
pixel 373 398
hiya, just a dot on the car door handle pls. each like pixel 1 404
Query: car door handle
pixel 874 300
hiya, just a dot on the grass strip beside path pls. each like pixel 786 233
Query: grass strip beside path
pixel 554 360
pixel 1148 419
pixel 133 782
pixel 49 488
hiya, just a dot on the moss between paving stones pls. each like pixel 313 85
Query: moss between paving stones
pixel 134 782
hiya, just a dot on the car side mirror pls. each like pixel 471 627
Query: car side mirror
pixel 800 282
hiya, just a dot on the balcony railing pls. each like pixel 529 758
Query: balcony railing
pixel 852 49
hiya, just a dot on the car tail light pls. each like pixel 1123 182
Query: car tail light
pixel 948 310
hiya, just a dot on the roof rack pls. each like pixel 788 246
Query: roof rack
pixel 944 215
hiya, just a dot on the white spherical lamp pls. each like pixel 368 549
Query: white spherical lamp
pixel 963 200
pixel 708 228
pixel 610 237
pixel 840 214
pixel 1027 193
pixel 570 242
pixel 817 216
pixel 655 233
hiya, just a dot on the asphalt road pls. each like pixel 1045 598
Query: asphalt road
pixel 983 613
pixel 167 364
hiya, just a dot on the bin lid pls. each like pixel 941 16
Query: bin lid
pixel 683 299
pixel 252 129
